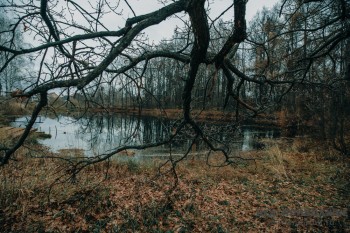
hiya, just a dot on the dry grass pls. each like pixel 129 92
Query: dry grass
pixel 277 162
pixel 282 118
pixel 4 139
pixel 133 197
pixel 14 107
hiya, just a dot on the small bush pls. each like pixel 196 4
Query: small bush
pixel 133 166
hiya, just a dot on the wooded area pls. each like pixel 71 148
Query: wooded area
pixel 292 60
pixel 288 68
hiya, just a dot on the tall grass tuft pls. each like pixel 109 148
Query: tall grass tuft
pixel 277 162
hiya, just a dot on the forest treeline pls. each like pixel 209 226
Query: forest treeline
pixel 281 71
pixel 294 64
pixel 290 62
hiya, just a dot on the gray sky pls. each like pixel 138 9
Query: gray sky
pixel 155 33
pixel 166 28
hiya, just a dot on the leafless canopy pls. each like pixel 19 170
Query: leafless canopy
pixel 77 51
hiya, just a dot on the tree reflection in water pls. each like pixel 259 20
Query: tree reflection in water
pixel 98 134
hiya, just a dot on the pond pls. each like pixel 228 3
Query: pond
pixel 100 134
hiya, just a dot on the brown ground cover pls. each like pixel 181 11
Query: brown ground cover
pixel 288 188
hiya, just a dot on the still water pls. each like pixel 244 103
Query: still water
pixel 100 134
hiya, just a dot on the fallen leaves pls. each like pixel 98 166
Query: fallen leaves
pixel 206 199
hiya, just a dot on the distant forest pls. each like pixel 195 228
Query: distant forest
pixel 291 61
pixel 294 60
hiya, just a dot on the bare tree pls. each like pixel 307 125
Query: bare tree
pixel 10 78
pixel 84 56
pixel 85 61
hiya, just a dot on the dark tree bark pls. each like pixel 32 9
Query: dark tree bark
pixel 83 57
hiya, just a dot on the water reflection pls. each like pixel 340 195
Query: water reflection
pixel 102 133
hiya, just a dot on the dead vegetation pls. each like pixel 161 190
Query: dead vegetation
pixel 15 107
pixel 285 189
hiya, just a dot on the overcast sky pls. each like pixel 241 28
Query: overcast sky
pixel 158 32
pixel 166 28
